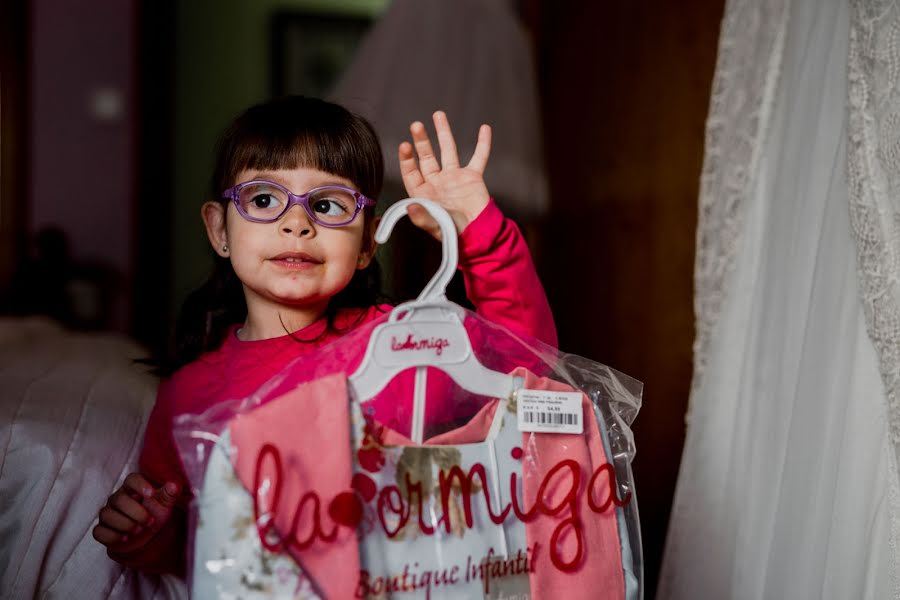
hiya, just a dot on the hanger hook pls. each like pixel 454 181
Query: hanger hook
pixel 437 287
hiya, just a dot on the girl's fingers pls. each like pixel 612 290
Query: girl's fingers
pixel 428 162
pixel 130 507
pixel 138 484
pixel 107 536
pixel 162 502
pixel 420 216
pixel 422 219
pixel 409 171
pixel 482 150
pixel 116 521
pixel 449 157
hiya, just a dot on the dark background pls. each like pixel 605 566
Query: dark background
pixel 108 111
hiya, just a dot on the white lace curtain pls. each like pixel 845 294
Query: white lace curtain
pixel 874 180
pixel 788 484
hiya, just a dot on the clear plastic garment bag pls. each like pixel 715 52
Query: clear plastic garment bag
pixel 514 479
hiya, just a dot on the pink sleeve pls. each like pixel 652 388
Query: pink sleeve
pixel 159 463
pixel 500 277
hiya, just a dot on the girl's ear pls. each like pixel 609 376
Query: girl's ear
pixel 367 250
pixel 213 215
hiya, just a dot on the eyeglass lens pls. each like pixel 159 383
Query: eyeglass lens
pixel 329 206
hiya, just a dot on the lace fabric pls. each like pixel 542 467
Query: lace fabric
pixel 750 47
pixel 873 176
pixel 873 166
pixel 788 485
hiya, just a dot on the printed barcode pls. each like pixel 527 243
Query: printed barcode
pixel 542 418
pixel 547 411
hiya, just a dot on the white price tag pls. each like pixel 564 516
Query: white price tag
pixel 545 411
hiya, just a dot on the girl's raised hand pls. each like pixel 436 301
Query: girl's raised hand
pixel 460 190
pixel 134 514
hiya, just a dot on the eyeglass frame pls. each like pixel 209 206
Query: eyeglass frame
pixel 234 194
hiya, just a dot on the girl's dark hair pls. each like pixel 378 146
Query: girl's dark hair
pixel 283 133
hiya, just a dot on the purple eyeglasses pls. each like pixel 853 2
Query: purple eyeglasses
pixel 266 202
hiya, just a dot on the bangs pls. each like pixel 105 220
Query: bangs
pixel 293 132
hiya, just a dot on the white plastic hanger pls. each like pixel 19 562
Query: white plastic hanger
pixel 426 332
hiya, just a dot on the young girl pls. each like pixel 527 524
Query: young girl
pixel 289 279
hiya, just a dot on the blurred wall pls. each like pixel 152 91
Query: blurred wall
pixel 13 139
pixel 82 133
pixel 625 91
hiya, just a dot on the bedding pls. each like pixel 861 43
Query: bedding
pixel 73 407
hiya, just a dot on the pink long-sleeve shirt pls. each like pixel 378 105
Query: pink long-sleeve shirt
pixel 500 281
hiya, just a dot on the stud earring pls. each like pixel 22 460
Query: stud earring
pixel 224 247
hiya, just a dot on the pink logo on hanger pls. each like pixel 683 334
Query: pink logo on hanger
pixel 410 343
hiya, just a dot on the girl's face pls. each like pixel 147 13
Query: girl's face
pixel 293 262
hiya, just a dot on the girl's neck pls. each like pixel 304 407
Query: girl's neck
pixel 276 321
